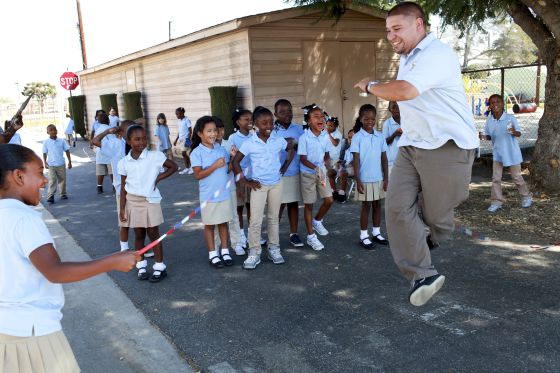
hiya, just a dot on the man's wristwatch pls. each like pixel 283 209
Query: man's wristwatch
pixel 371 84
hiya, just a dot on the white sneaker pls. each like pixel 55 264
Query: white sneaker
pixel 314 243
pixel 184 171
pixel 527 202
pixel 239 251
pixel 319 228
pixel 190 171
pixel 494 207
pixel 149 254
pixel 253 260
pixel 275 256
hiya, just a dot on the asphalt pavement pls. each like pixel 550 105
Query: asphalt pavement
pixel 340 310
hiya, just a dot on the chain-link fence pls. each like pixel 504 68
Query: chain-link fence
pixel 522 88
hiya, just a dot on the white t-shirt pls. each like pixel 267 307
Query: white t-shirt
pixel 28 301
pixel 141 174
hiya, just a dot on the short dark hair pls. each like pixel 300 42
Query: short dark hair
pixel 259 112
pixel 281 101
pixel 218 121
pixel 409 8
pixel 103 118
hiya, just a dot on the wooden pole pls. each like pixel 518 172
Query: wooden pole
pixel 82 40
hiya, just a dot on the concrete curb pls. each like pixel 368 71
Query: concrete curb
pixel 106 331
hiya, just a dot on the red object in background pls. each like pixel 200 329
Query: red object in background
pixel 69 81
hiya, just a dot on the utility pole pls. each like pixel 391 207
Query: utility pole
pixel 82 40
pixel 169 28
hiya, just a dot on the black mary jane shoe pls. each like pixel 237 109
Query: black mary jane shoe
pixel 143 276
pixel 216 264
pixel 157 276
pixel 227 259
pixel 365 245
pixel 380 241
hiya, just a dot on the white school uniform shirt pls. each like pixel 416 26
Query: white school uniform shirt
pixel 29 303
pixel 69 127
pixel 114 121
pixel 141 174
pixel 334 151
pixel 55 151
pixel 390 126
pixel 184 125
pixel 505 147
pixel 440 112
pixel 114 148
pixel 101 157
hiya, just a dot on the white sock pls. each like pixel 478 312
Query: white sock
pixel 212 254
pixel 317 221
pixel 364 234
pixel 310 236
pixel 375 231
pixel 159 266
pixel 142 264
pixel 225 251
pixel 124 245
pixel 341 192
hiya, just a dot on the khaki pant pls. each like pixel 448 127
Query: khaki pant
pixel 233 225
pixel 57 175
pixel 271 195
pixel 443 176
pixel 496 195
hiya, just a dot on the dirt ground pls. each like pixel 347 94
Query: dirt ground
pixel 537 225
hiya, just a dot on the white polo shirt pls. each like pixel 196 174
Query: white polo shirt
pixel 440 112
pixel 141 174
pixel 28 301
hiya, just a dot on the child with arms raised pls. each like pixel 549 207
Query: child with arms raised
pixel 140 198
pixel 371 172
pixel 210 165
pixel 31 297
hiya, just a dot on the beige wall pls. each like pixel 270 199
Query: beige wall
pixel 277 54
pixel 178 77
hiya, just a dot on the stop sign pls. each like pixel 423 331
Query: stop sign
pixel 69 81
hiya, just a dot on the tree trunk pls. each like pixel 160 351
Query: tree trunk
pixel 545 166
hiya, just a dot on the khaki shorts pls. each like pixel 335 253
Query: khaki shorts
pixel 216 212
pixel 291 189
pixel 310 187
pixel 103 169
pixel 372 192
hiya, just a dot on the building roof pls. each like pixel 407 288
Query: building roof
pixel 223 28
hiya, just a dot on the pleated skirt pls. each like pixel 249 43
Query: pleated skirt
pixel 49 353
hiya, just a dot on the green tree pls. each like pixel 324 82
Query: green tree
pixel 513 47
pixel 540 20
pixel 41 90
